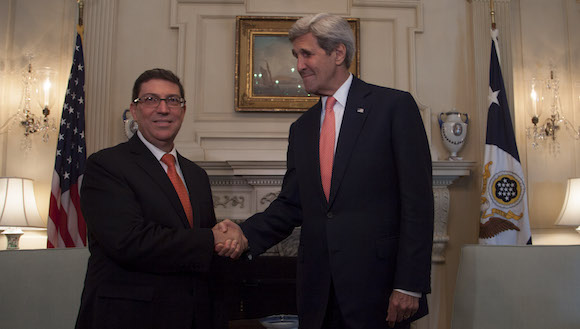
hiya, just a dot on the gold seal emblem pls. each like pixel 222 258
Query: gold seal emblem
pixel 507 189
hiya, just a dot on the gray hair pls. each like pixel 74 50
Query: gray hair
pixel 329 31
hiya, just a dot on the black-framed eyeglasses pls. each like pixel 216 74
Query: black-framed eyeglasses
pixel 154 101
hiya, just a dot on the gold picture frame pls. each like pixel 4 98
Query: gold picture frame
pixel 266 80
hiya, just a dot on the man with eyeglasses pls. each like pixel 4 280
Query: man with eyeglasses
pixel 150 219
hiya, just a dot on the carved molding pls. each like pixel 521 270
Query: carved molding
pixel 227 181
pixel 289 246
pixel 440 237
pixel 228 201
pixel 265 181
pixel 98 47
pixel 268 198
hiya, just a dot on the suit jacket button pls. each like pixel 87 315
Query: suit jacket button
pixel 329 214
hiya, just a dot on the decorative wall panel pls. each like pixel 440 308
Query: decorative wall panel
pixel 214 131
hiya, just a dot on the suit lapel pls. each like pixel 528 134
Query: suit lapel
pixel 147 161
pixel 355 115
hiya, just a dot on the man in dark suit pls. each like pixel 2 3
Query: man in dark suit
pixel 149 213
pixel 366 209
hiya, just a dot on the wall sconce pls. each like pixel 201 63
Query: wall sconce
pixel 38 89
pixel 570 213
pixel 544 96
pixel 18 209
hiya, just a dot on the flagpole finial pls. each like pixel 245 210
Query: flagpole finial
pixel 81 8
pixel 492 12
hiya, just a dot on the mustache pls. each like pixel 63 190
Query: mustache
pixel 305 73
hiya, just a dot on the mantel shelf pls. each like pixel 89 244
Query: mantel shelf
pixel 441 168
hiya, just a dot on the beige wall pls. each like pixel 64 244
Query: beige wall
pixel 46 30
pixel 553 43
pixel 431 44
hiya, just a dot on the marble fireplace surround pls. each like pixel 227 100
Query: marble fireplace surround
pixel 242 188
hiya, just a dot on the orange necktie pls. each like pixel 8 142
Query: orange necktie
pixel 326 148
pixel 169 160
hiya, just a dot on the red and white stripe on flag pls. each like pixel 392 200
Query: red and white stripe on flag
pixel 66 225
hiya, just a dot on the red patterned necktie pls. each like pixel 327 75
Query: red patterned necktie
pixel 326 148
pixel 169 160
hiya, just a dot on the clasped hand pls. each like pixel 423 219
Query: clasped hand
pixel 229 239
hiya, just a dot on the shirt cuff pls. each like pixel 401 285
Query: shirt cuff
pixel 410 293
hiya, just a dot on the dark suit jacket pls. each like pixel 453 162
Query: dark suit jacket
pixel 148 268
pixel 376 232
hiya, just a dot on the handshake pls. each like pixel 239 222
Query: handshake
pixel 229 239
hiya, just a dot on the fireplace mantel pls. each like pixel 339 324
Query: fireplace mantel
pixel 242 188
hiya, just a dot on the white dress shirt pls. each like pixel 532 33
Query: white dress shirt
pixel 158 153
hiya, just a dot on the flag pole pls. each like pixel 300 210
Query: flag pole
pixel 81 8
pixel 492 12
pixel 80 26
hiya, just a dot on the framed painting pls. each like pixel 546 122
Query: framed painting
pixel 266 76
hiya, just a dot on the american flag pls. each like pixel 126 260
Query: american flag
pixel 504 216
pixel 66 225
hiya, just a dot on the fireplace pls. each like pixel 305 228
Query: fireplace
pixel 266 285
pixel 259 288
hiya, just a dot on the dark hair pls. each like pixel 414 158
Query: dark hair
pixel 156 73
pixel 329 31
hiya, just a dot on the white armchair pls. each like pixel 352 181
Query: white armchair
pixel 511 287
pixel 41 288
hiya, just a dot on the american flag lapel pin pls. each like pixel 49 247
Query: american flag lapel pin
pixel 360 110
